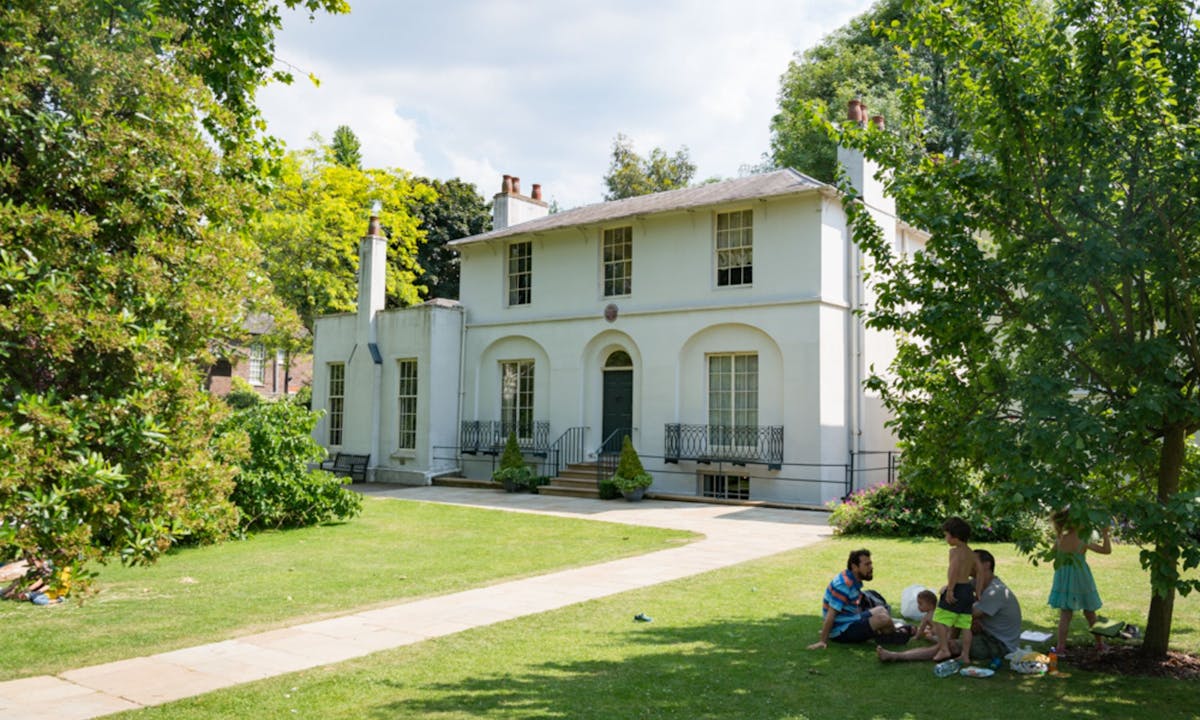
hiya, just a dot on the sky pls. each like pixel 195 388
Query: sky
pixel 539 89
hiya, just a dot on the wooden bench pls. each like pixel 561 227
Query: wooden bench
pixel 349 464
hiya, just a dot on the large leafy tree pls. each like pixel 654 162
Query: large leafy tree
pixel 458 211
pixel 126 143
pixel 630 174
pixel 345 148
pixel 857 61
pixel 310 233
pixel 1053 335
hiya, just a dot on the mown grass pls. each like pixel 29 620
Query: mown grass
pixel 726 644
pixel 395 550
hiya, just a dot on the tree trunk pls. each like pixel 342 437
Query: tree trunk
pixel 1158 622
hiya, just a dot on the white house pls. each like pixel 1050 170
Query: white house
pixel 714 325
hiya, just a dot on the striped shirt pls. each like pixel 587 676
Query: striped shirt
pixel 842 597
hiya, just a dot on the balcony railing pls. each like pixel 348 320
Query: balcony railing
pixel 487 437
pixel 739 445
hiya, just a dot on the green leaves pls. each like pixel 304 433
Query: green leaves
pixel 1049 327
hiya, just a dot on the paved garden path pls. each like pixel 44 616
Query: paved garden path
pixel 732 534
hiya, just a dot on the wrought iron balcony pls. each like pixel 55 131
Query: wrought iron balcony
pixel 487 437
pixel 739 445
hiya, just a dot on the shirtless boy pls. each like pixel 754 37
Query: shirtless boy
pixel 954 608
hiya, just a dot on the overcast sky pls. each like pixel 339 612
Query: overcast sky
pixel 539 88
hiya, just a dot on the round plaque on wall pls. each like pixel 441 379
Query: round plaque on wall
pixel 610 312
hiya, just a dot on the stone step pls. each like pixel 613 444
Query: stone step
pixel 582 483
pixel 564 491
pixel 462 482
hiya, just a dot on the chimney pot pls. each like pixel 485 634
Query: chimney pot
pixel 506 184
pixel 537 191
pixel 855 111
pixel 877 121
pixel 516 185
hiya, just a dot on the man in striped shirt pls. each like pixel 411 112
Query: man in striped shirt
pixel 845 621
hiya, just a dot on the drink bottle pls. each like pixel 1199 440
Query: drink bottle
pixel 946 668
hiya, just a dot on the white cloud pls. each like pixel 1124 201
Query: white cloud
pixel 539 89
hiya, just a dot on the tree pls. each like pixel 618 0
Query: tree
pixel 1052 336
pixel 458 211
pixel 309 234
pixel 345 150
pixel 857 61
pixel 630 175
pixel 126 157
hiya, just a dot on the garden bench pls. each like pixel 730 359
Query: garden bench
pixel 354 466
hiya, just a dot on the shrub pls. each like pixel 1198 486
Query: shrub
pixel 241 394
pixel 513 468
pixel 630 474
pixel 275 487
pixel 900 510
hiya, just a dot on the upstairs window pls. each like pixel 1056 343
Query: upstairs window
pixel 618 261
pixel 258 364
pixel 735 248
pixel 520 273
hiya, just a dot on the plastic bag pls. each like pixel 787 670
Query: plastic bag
pixel 908 602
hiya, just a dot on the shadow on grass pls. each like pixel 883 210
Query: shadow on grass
pixel 762 669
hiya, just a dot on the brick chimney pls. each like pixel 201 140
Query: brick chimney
pixel 510 207
pixel 859 169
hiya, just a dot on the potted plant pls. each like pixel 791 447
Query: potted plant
pixel 513 474
pixel 631 478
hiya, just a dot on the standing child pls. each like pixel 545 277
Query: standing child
pixel 958 599
pixel 926 602
pixel 1074 587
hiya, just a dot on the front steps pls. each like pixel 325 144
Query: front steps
pixel 576 480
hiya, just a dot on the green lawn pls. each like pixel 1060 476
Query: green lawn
pixel 395 550
pixel 726 644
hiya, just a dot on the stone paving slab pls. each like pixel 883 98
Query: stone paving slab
pixel 732 535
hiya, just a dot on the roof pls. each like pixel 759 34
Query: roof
pixel 753 187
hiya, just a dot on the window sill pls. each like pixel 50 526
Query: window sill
pixel 403 455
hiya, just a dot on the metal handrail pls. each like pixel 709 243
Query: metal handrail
pixel 606 460
pixel 568 448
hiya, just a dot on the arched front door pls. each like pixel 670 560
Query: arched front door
pixel 618 400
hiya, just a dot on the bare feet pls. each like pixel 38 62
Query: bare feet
pixel 941 655
pixel 964 659
pixel 883 655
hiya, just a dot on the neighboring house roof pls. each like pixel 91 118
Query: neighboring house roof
pixel 753 187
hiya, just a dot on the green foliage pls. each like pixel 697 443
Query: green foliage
pixel 511 457
pixel 630 175
pixel 458 211
pixel 272 444
pixel 514 472
pixel 900 510
pixel 857 61
pixel 608 490
pixel 302 397
pixel 310 233
pixel 128 157
pixel 345 149
pixel 242 394
pixel 630 475
pixel 1050 324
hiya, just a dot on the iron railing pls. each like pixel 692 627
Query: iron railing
pixel 738 445
pixel 870 465
pixel 608 455
pixel 567 449
pixel 487 437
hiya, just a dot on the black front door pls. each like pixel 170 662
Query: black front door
pixel 618 407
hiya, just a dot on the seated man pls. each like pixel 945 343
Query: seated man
pixel 997 618
pixel 845 620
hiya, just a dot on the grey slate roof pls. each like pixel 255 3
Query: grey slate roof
pixel 772 184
